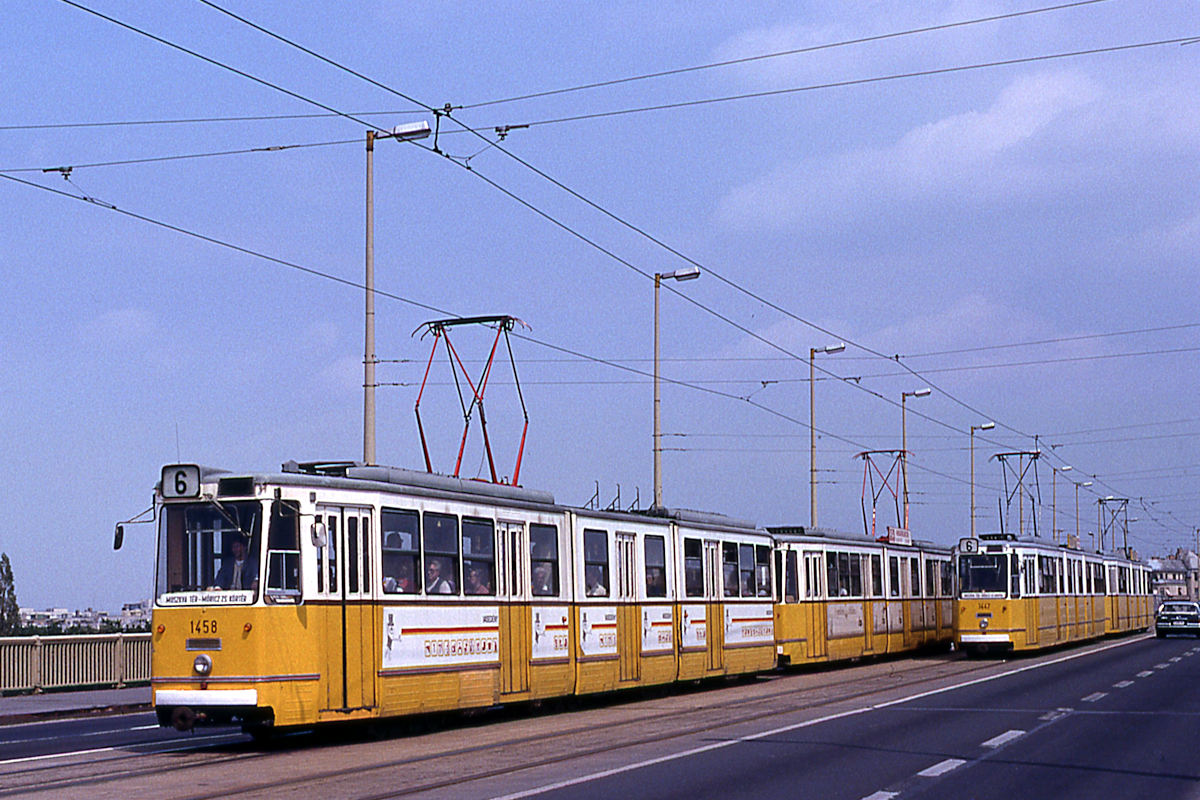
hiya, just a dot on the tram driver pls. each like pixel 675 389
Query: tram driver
pixel 237 571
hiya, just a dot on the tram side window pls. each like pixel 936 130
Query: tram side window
pixel 930 578
pixel 283 549
pixel 729 568
pixel 656 566
pixel 479 556
pixel 947 570
pixel 914 581
pixel 401 551
pixel 791 583
pixel 876 575
pixel 543 560
pixel 747 569
pixel 894 576
pixel 693 568
pixel 762 570
pixel 595 563
pixel 1123 580
pixel 440 537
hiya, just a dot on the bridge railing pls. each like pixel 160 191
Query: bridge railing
pixel 35 663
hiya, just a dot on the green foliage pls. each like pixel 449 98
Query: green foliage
pixel 10 614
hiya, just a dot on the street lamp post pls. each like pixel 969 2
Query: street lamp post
pixel 685 274
pixel 812 425
pixel 1077 485
pixel 904 442
pixel 1054 503
pixel 418 130
pixel 987 426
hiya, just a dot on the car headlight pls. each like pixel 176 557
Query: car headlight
pixel 202 665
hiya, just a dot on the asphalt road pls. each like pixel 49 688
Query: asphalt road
pixel 1122 722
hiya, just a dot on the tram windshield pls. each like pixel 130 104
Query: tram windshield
pixel 979 572
pixel 209 553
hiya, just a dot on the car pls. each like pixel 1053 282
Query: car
pixel 1177 617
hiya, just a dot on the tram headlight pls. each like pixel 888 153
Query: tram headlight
pixel 983 623
pixel 202 665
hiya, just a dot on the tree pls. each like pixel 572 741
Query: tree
pixel 10 614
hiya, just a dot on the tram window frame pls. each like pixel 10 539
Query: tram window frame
pixel 876 575
pixel 894 576
pixel 283 552
pixel 693 568
pixel 762 570
pixel 596 563
pixel 479 553
pixel 930 578
pixel 398 543
pixel 946 570
pixel 439 539
pixel 1014 576
pixel 746 569
pixel 656 560
pixel 914 576
pixel 544 554
pixel 791 581
pixel 729 570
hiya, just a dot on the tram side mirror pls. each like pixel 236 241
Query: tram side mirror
pixel 119 537
pixel 319 534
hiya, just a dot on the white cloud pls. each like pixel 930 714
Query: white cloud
pixel 973 157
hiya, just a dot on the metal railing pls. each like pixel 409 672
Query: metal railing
pixel 36 663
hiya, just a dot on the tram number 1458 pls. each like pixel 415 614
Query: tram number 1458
pixel 204 626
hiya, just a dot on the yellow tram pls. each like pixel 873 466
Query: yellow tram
pixel 840 596
pixel 330 592
pixel 1028 594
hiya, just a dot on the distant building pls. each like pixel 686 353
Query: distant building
pixel 135 615
pixel 131 616
pixel 1176 577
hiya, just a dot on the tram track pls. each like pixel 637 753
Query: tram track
pixel 656 719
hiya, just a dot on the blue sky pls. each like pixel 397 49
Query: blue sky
pixel 1039 209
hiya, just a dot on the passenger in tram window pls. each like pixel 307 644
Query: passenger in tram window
pixel 478 581
pixel 731 579
pixel 435 582
pixel 594 580
pixel 656 582
pixel 542 582
pixel 237 571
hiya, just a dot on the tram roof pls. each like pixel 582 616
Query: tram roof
pixel 1013 540
pixel 797 533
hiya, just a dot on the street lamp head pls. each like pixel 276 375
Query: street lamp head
pixel 1067 468
pixel 834 348
pixel 987 426
pixel 918 393
pixel 413 130
pixel 1086 483
pixel 685 274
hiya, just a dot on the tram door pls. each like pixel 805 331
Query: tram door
pixel 515 637
pixel 715 616
pixel 814 593
pixel 629 616
pixel 344 584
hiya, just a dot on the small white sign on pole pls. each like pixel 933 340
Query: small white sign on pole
pixel 898 535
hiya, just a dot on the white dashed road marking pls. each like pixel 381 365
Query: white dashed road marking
pixel 1161 666
pixel 881 796
pixel 1145 673
pixel 1176 659
pixel 1122 684
pixel 1094 696
pixel 941 768
pixel 1003 738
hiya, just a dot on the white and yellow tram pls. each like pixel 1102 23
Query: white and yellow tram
pixel 840 596
pixel 341 592
pixel 1028 594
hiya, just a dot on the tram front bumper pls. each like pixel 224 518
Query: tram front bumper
pixel 182 709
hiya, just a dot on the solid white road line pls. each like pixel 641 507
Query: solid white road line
pixel 941 768
pixel 190 746
pixel 1003 738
